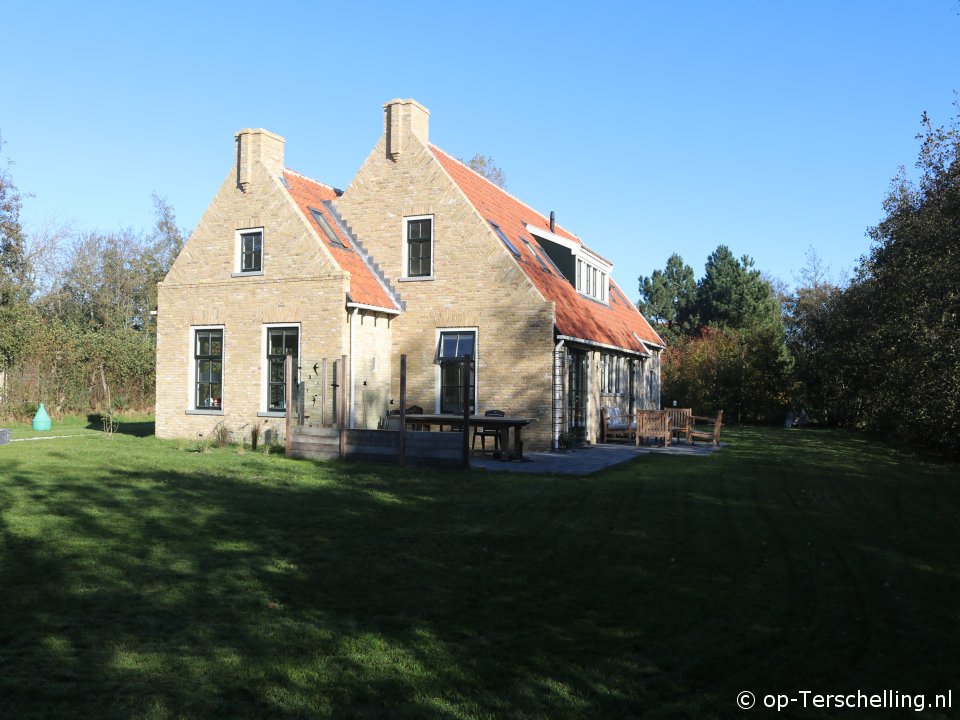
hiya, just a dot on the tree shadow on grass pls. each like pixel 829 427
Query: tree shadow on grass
pixel 145 428
pixel 257 587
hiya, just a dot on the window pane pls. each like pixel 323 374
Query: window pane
pixel 277 397
pixel 275 343
pixel 466 345
pixel 203 344
pixel 290 343
pixel 276 371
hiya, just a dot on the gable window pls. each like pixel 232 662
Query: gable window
pixel 453 345
pixel 418 247
pixel 208 359
pixel 281 341
pixel 251 251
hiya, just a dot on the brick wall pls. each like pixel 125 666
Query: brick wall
pixel 300 285
pixel 476 284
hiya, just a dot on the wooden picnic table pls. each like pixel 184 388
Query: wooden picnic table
pixel 487 421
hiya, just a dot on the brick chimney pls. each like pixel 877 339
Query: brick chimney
pixel 402 118
pixel 257 146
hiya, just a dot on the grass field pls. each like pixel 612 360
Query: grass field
pixel 144 579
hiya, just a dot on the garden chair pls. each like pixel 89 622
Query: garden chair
pixel 483 433
pixel 709 433
pixel 614 424
pixel 679 421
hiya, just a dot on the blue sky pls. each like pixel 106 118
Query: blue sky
pixel 650 128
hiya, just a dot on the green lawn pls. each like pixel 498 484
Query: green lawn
pixel 142 579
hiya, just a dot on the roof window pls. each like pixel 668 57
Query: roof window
pixel 332 237
pixel 536 255
pixel 506 241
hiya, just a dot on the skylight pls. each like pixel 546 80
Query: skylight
pixel 332 237
pixel 506 241
pixel 535 254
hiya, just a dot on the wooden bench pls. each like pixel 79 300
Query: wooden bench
pixel 710 433
pixel 654 424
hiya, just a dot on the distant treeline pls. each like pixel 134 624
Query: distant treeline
pixel 76 329
pixel 879 351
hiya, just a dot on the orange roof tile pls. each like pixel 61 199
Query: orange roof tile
pixel 619 324
pixel 366 287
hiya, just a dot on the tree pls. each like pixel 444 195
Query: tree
pixel 485 166
pixel 15 289
pixel 669 296
pixel 156 258
pixel 14 269
pixel 734 294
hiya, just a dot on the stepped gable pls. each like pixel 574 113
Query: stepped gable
pixel 365 287
pixel 618 323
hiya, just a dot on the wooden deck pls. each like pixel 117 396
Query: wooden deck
pixel 422 448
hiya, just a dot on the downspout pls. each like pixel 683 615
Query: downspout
pixel 558 378
pixel 353 365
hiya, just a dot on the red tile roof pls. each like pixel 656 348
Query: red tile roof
pixel 366 288
pixel 619 324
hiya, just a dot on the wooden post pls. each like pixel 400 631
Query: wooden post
pixel 288 403
pixel 342 407
pixel 402 458
pixel 301 407
pixel 323 392
pixel 467 397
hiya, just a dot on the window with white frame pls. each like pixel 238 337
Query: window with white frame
pixel 249 251
pixel 208 364
pixel 453 345
pixel 591 281
pixel 418 247
pixel 281 341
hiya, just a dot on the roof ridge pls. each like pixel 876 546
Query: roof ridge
pixel 505 192
pixel 310 179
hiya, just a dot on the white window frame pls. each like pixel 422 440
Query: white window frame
pixel 238 252
pixel 404 277
pixel 265 366
pixel 476 353
pixel 191 385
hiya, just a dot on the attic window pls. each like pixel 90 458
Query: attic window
pixel 332 237
pixel 506 241
pixel 536 255
pixel 250 251
pixel 591 281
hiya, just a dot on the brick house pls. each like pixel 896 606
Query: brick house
pixel 418 256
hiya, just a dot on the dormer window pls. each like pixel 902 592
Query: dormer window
pixel 587 271
pixel 591 281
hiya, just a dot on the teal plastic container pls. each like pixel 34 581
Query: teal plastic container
pixel 41 421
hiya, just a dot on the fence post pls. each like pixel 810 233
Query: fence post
pixel 402 458
pixel 301 404
pixel 467 397
pixel 288 404
pixel 342 407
